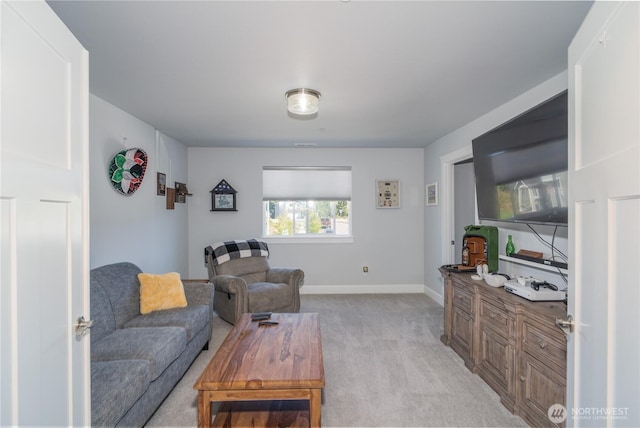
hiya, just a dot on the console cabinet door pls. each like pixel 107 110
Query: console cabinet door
pixel 496 363
pixel 540 389
pixel 462 334
pixel 446 334
pixel 463 323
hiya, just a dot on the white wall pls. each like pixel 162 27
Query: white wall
pixel 402 248
pixel 388 241
pixel 135 228
pixel 460 139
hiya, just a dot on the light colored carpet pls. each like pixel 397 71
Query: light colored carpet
pixel 384 367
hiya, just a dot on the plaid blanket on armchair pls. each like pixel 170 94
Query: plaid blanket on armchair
pixel 230 250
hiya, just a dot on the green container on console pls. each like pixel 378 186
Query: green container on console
pixel 490 235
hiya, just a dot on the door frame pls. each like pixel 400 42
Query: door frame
pixel 447 200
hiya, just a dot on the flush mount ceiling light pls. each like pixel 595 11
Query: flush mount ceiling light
pixel 302 101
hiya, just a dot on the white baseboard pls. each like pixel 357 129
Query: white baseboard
pixel 363 289
pixel 439 298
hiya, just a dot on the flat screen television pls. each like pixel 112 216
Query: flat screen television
pixel 521 167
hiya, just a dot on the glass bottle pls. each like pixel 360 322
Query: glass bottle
pixel 510 247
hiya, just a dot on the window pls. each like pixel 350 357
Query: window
pixel 306 201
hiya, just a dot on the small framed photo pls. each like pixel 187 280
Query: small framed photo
pixel 162 184
pixel 432 194
pixel 387 193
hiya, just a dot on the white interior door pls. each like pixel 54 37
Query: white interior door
pixel 604 234
pixel 45 368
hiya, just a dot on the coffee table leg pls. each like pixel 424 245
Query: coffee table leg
pixel 204 409
pixel 315 408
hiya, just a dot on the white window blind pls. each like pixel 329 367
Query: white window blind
pixel 331 183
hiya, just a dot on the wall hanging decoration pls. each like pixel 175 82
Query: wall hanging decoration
pixel 162 184
pixel 171 198
pixel 181 192
pixel 126 170
pixel 387 193
pixel 223 197
pixel 432 194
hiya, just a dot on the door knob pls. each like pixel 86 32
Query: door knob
pixel 566 325
pixel 82 326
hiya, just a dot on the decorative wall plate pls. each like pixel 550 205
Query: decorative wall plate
pixel 387 193
pixel 126 170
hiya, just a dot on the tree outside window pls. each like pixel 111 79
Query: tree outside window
pixel 311 217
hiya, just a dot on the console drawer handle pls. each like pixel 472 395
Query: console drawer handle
pixel 542 343
pixel 492 315
pixel 522 378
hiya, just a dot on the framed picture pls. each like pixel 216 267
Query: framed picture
pixel 432 194
pixel 387 193
pixel 223 197
pixel 181 192
pixel 162 184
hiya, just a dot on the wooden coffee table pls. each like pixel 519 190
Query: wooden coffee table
pixel 279 363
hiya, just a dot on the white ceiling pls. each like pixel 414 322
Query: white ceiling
pixel 391 73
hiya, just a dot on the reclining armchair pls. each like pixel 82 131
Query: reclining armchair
pixel 244 281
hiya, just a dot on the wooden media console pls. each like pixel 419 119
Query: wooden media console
pixel 512 343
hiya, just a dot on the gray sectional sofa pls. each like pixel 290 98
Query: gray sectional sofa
pixel 136 360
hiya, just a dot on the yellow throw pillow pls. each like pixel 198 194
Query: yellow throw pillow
pixel 158 292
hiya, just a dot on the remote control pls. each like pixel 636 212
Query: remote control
pixel 260 316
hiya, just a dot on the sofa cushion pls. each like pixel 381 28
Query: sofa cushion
pixel 115 387
pixel 120 282
pixel 158 345
pixel 192 319
pixel 161 291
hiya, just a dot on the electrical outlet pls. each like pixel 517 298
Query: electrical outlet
pixel 365 269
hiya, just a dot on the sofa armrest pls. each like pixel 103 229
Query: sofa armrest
pixel 199 293
pixel 291 276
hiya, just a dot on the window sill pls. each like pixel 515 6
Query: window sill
pixel 308 239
